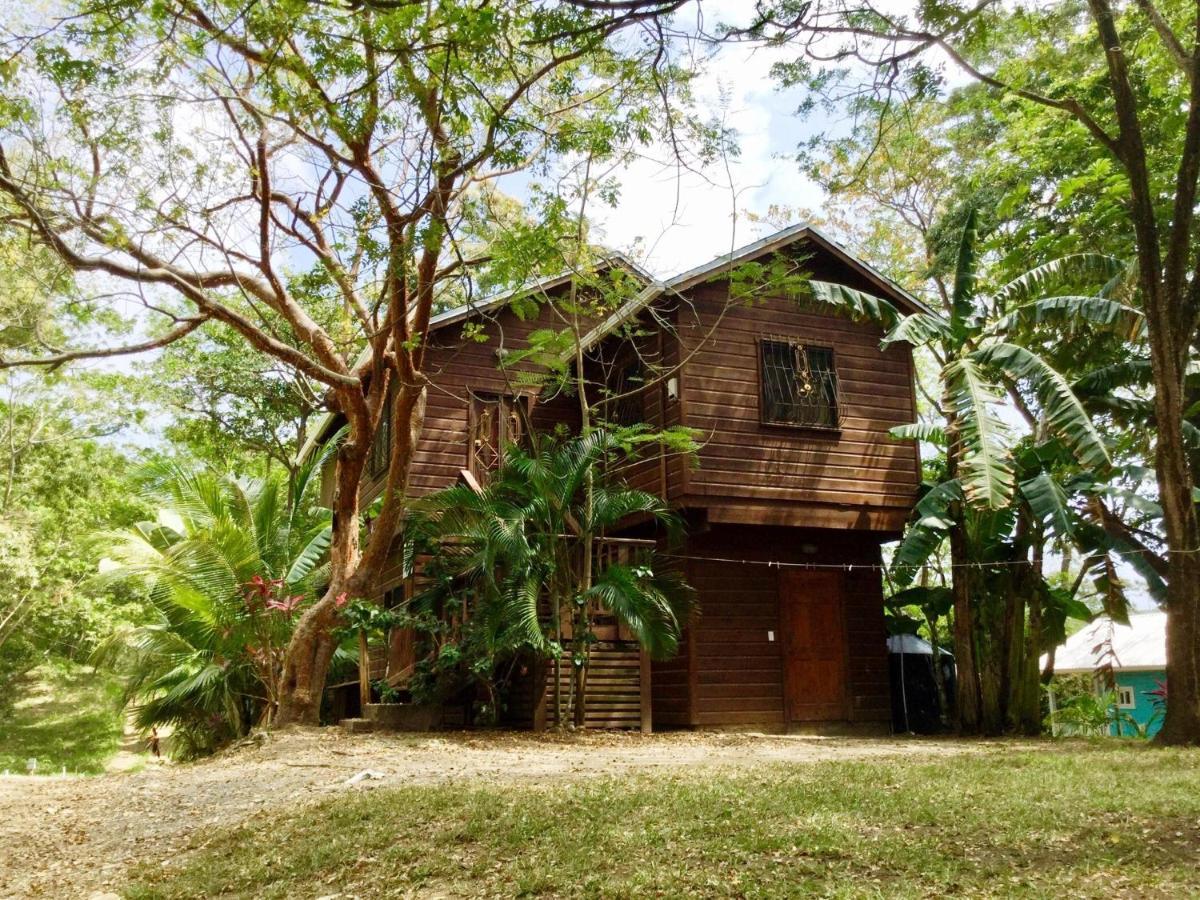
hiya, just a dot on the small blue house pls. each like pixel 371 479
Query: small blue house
pixel 1137 653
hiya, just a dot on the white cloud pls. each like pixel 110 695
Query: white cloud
pixel 682 219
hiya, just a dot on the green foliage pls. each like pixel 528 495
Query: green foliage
pixel 64 715
pixel 227 565
pixel 1087 712
pixel 60 480
pixel 366 617
pixel 513 555
pixel 231 407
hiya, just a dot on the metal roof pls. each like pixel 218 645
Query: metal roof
pixel 1140 645
pixel 771 242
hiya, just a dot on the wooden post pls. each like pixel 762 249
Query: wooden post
pixel 541 693
pixel 644 684
pixel 364 673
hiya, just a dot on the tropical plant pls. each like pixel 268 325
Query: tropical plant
pixel 1095 104
pixel 1088 714
pixel 994 489
pixel 228 566
pixel 520 552
pixel 362 620
pixel 417 106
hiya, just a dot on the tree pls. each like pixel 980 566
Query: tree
pixel 61 478
pixel 300 174
pixel 1128 78
pixel 228 566
pixel 234 410
pixel 981 473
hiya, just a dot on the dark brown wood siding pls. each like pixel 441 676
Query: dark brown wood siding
pixel 737 674
pixel 747 461
pixel 455 367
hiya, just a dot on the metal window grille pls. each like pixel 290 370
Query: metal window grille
pixel 495 423
pixel 628 407
pixel 799 385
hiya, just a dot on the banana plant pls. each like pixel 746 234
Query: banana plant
pixel 980 366
pixel 986 490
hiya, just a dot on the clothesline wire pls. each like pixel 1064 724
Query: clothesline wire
pixel 850 567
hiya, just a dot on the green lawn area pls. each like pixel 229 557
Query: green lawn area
pixel 63 715
pixel 1076 820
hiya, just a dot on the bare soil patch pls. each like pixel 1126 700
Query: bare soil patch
pixel 76 837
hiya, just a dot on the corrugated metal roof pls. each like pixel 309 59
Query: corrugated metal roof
pixel 1142 644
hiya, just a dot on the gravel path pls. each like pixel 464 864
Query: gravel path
pixel 76 837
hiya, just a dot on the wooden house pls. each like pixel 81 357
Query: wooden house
pixel 797 484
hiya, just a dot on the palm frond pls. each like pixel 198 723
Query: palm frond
pixel 859 305
pixel 1071 270
pixel 1048 501
pixel 931 521
pixel 1124 320
pixel 962 297
pixel 920 431
pixel 986 469
pixel 919 329
pixel 1064 414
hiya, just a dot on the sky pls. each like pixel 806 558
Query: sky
pixel 683 221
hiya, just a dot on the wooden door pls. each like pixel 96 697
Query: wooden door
pixel 814 646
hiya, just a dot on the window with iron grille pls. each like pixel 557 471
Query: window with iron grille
pixel 493 423
pixel 798 384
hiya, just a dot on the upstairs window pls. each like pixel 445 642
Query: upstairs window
pixel 627 406
pixel 798 385
pixel 381 446
pixel 494 423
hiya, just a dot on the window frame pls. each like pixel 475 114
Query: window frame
pixel 796 342
pixel 1121 691
pixel 627 401
pixel 380 455
pixel 505 404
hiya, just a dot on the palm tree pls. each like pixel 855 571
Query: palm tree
pixel 517 547
pixel 226 566
pixel 986 482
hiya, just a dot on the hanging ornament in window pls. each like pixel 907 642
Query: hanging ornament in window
pixel 805 383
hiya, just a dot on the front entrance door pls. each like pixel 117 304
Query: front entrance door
pixel 814 646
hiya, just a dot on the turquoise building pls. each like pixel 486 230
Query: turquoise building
pixel 1137 653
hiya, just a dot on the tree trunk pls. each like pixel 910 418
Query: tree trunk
pixel 967 700
pixel 1012 688
pixel 1169 356
pixel 1029 716
pixel 311 648
pixel 939 674
pixel 990 659
pixel 1182 722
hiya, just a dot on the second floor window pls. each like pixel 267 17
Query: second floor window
pixel 381 446
pixel 494 423
pixel 627 406
pixel 798 384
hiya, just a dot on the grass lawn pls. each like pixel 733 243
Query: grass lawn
pixel 63 715
pixel 1075 820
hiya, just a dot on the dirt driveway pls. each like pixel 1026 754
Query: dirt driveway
pixel 76 837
